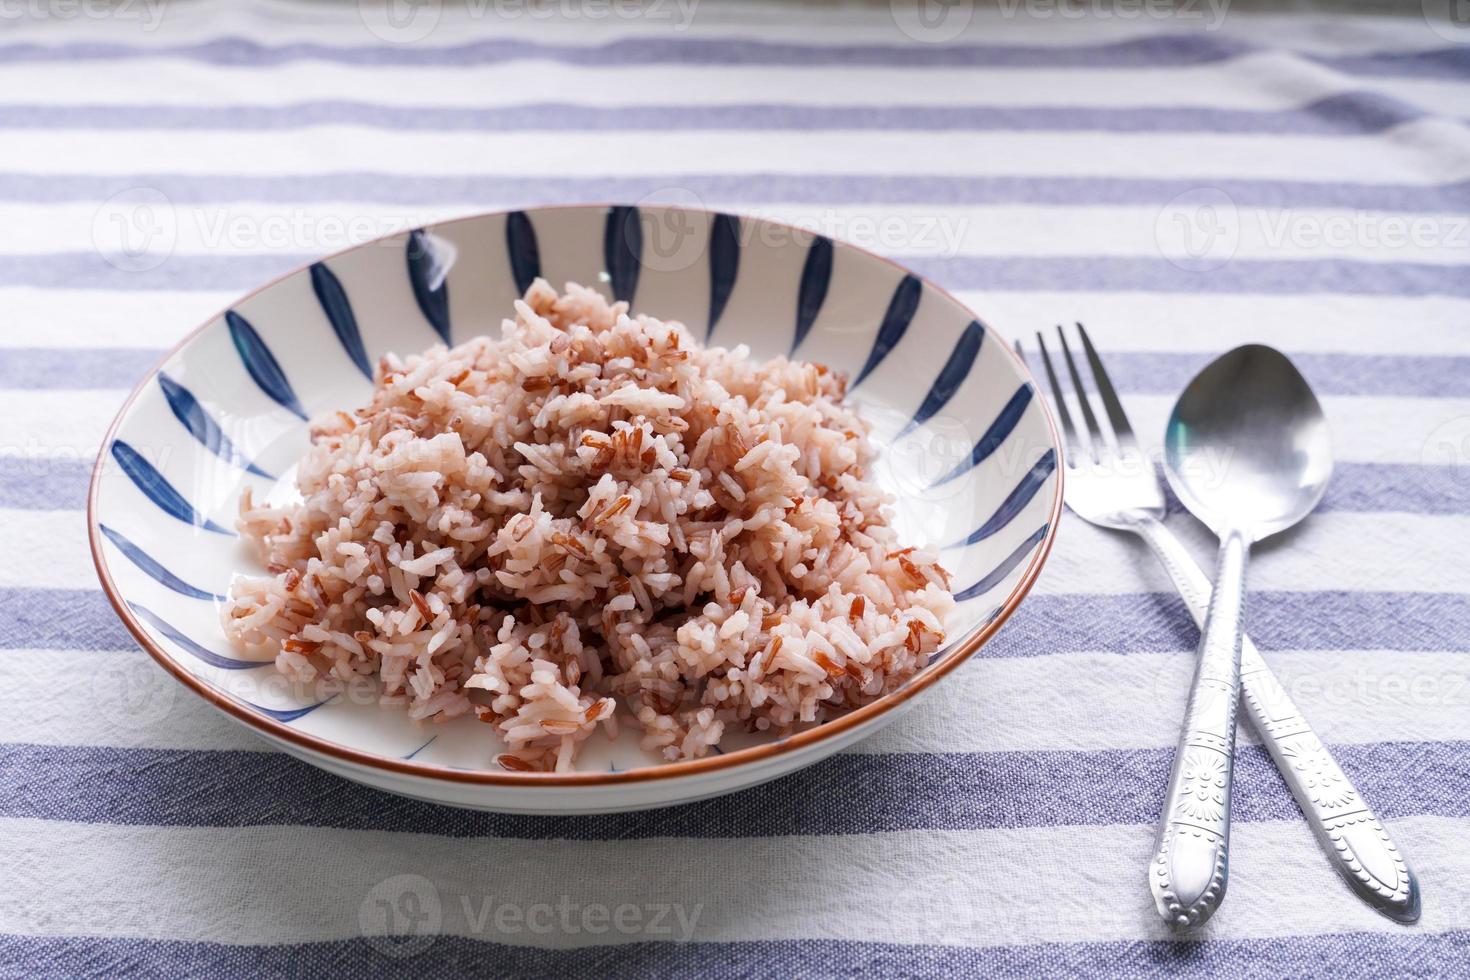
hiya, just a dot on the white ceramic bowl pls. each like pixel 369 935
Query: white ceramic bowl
pixel 967 449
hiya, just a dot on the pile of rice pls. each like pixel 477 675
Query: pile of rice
pixel 589 516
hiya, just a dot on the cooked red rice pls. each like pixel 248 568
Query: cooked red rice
pixel 593 511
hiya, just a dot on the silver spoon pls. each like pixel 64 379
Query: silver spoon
pixel 1248 452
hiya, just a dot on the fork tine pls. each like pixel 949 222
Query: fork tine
pixel 1093 429
pixel 1069 430
pixel 1119 420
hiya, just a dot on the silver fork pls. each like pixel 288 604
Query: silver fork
pixel 1110 482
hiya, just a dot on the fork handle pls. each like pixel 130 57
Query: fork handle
pixel 1354 839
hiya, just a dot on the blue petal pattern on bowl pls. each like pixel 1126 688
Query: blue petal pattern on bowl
pixel 261 364
pixel 1016 501
pixel 622 250
pixel 159 490
pixel 1003 426
pixel 425 745
pixel 520 244
pixel 430 280
pixel 724 265
pixel 338 308
pixel 896 320
pixel 193 647
pixel 289 714
pixel 153 569
pixel 816 276
pixel 188 411
pixel 950 377
pixel 1008 565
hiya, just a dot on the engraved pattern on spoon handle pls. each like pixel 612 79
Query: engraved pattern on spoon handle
pixel 1191 864
pixel 1354 839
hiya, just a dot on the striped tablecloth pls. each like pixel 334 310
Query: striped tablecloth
pixel 1181 183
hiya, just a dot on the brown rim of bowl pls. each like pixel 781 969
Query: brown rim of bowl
pixel 688 767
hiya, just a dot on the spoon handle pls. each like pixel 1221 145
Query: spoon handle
pixel 1353 838
pixel 1191 864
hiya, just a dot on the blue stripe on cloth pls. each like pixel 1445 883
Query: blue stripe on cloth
pixel 1161 51
pixel 60 619
pixel 87 367
pixel 1427 489
pixel 1343 114
pixel 939 791
pixel 483 191
pixel 1317 957
pixel 1148 622
pixel 61 484
pixel 90 270
pixel 1448 63
pixel 1158 622
pixel 44 484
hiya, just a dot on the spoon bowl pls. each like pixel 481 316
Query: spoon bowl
pixel 1247 445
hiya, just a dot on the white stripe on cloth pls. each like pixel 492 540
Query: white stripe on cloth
pixel 1424 152
pixel 1329 552
pixel 78 320
pixel 1262 81
pixel 1059 702
pixel 978 888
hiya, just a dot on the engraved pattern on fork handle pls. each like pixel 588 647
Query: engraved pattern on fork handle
pixel 1191 864
pixel 1354 839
